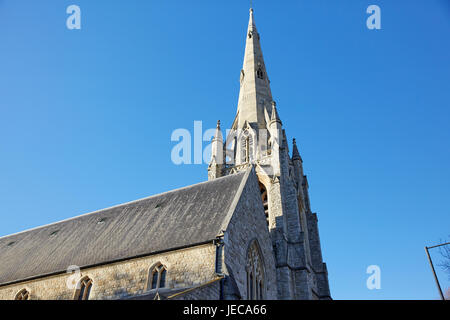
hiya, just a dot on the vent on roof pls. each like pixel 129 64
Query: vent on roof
pixel 54 233
pixel 11 243
pixel 159 205
pixel 101 220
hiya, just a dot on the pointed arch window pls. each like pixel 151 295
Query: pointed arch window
pixel 265 200
pixel 255 273
pixel 83 289
pixel 247 149
pixel 235 143
pixel 157 277
pixel 247 146
pixel 260 73
pixel 23 294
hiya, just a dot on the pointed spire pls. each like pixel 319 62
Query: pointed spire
pixel 217 147
pixel 275 117
pixel 255 94
pixel 295 153
pixel 251 22
pixel 218 134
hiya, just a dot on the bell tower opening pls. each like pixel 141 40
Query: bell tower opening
pixel 265 201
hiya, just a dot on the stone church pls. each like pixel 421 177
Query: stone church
pixel 246 233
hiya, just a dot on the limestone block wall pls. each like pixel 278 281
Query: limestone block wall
pixel 185 268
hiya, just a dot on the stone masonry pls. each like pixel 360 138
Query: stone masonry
pixel 187 267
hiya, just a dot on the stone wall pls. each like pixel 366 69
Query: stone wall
pixel 247 224
pixel 187 267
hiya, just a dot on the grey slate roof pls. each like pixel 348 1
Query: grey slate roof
pixel 175 219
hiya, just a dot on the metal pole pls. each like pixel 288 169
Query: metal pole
pixel 439 245
pixel 434 273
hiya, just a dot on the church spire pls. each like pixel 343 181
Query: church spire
pixel 255 95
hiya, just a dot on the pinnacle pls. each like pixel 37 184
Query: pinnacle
pixel 295 153
pixel 275 116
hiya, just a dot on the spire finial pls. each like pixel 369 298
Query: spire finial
pixel 218 124
pixel 252 19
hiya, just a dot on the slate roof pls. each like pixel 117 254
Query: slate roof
pixel 175 219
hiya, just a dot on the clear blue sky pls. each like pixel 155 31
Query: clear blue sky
pixel 86 115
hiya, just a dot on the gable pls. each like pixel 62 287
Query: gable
pixel 247 225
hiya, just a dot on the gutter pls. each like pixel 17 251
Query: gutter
pixel 219 243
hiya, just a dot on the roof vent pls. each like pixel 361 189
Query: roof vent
pixel 11 243
pixel 54 233
pixel 101 220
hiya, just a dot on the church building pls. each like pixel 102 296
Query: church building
pixel 246 233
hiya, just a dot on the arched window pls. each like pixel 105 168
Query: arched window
pixel 83 289
pixel 265 200
pixel 301 210
pixel 247 149
pixel 157 276
pixel 269 147
pixel 22 295
pixel 235 142
pixel 260 286
pixel 260 73
pixel 255 273
pixel 247 146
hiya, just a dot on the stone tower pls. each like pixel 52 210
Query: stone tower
pixel 257 138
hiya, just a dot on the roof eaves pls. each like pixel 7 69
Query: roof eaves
pixel 105 263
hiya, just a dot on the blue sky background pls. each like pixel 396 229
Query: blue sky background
pixel 86 116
